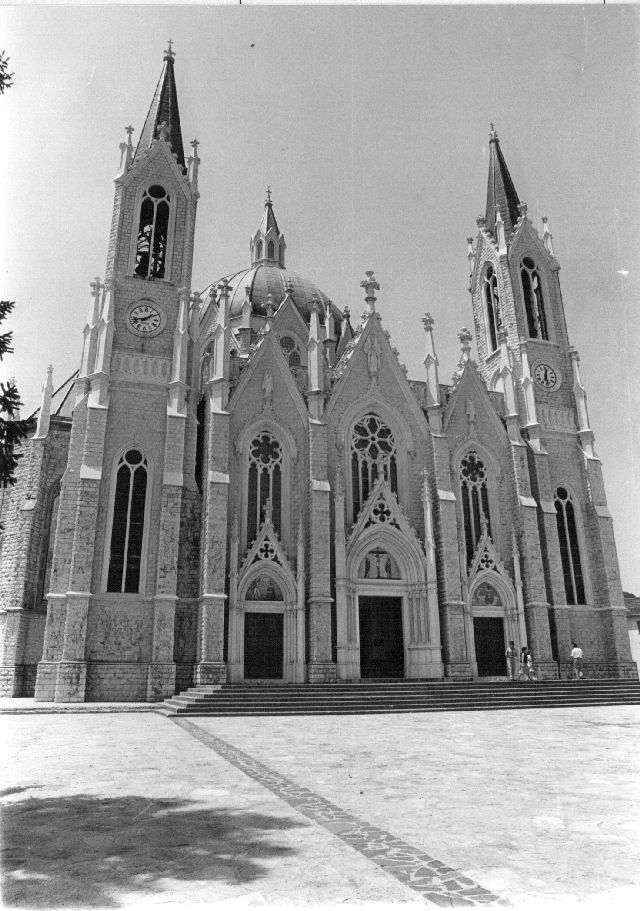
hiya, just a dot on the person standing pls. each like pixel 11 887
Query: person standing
pixel 576 657
pixel 511 655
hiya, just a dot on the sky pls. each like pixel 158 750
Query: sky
pixel 371 125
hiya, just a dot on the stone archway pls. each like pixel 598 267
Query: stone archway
pixel 492 623
pixel 386 625
pixel 266 628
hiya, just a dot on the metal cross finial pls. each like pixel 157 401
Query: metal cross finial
pixel 494 133
pixel 194 146
pixel 427 322
pixel 169 53
pixel 267 201
pixel 128 130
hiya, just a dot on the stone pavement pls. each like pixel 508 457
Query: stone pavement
pixel 535 809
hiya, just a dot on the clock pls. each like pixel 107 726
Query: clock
pixel 546 377
pixel 144 317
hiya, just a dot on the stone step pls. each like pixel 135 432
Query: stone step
pixel 404 696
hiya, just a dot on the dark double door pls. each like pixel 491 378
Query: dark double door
pixel 381 640
pixel 263 646
pixel 488 633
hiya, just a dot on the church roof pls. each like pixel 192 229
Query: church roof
pixel 500 189
pixel 267 278
pixel 164 109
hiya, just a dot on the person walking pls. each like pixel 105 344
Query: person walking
pixel 526 664
pixel 576 657
pixel 511 655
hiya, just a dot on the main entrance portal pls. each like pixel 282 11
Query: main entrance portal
pixel 488 633
pixel 263 638
pixel 381 640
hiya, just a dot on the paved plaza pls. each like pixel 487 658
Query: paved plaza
pixel 529 809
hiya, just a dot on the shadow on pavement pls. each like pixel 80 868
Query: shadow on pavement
pixel 84 850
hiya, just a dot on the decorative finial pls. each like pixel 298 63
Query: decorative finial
pixel 494 133
pixel 315 304
pixel 481 222
pixel 522 209
pixel 270 304
pixel 427 322
pixel 289 286
pixel 194 146
pixel 169 54
pixel 129 130
pixel 267 201
pixel 370 285
pixel 464 337
pixel 346 313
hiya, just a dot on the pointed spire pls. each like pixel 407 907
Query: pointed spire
pixel 163 118
pixel 268 244
pixel 44 415
pixel 501 193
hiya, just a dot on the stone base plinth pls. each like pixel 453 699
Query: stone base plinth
pixel 322 673
pixel 161 681
pixel 17 680
pixel 71 681
pixel 458 670
pixel 208 672
pixel 601 670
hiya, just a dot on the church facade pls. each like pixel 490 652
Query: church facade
pixel 246 486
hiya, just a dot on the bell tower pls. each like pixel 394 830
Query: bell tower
pixel 132 447
pixel 524 352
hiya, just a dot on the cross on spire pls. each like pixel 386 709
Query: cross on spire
pixel 267 201
pixel 169 54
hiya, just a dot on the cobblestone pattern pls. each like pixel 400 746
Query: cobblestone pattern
pixel 435 881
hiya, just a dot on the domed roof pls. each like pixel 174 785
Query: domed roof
pixel 267 275
pixel 266 278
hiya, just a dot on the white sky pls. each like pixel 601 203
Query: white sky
pixel 371 125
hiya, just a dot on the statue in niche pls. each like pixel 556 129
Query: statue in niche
pixel 485 595
pixel 263 589
pixel 378 564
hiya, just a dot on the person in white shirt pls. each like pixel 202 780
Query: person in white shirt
pixel 576 656
pixel 511 655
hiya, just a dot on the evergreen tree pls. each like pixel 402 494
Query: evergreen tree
pixel 6 78
pixel 12 430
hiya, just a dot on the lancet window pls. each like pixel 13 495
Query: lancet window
pixel 569 547
pixel 373 455
pixel 533 300
pixel 265 483
pixel 153 232
pixel 127 530
pixel 474 494
pixel 270 250
pixel 492 306
pixel 291 351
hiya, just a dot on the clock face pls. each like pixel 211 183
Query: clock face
pixel 145 318
pixel 546 376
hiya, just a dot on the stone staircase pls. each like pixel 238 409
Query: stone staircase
pixel 381 696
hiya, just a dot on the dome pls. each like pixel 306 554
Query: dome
pixel 263 279
pixel 267 275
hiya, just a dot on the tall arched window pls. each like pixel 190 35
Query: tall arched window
pixel 533 300
pixel 265 483
pixel 127 530
pixel 259 250
pixel 153 232
pixel 492 305
pixel 270 250
pixel 291 351
pixel 373 455
pixel 569 547
pixel 474 494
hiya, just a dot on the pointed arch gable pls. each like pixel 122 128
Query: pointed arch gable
pixel 269 350
pixel 280 574
pixel 334 403
pixel 402 547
